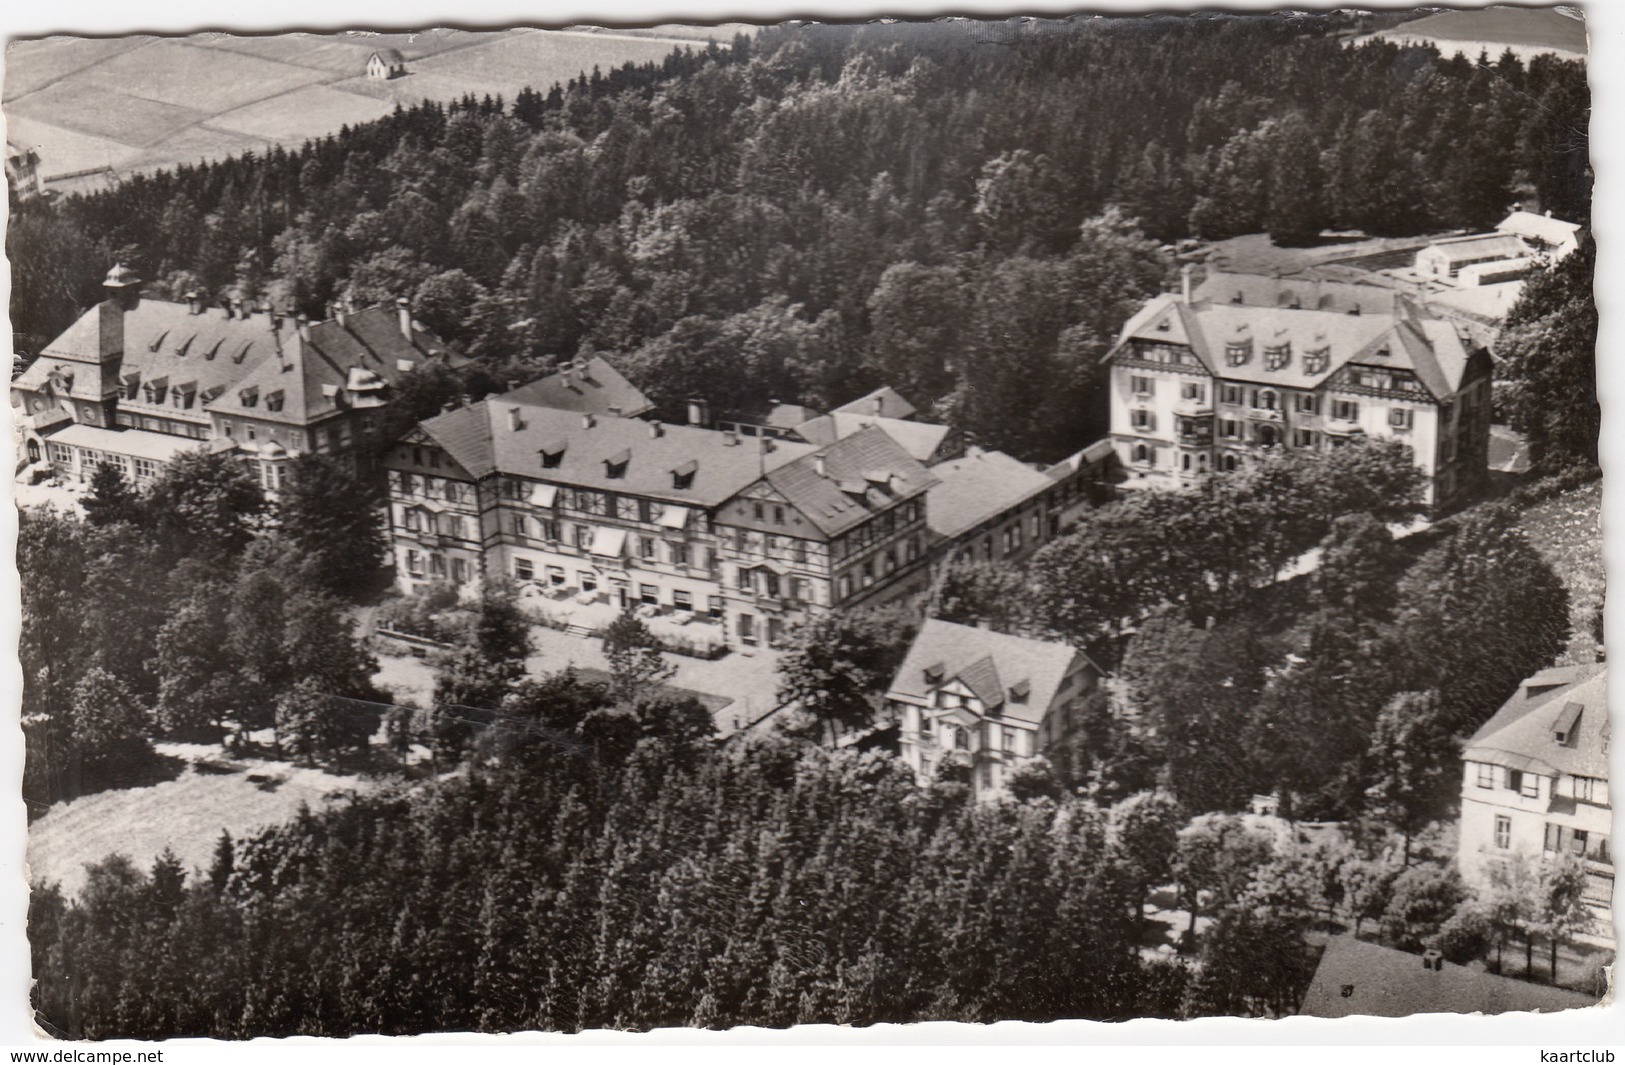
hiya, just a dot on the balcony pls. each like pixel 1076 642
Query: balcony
pixel 1343 427
pixel 1265 414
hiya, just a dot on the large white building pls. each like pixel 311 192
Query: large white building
pixel 700 522
pixel 1202 378
pixel 1535 782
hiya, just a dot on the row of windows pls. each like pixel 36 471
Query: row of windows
pixel 433 564
pixel 882 565
pixel 416 519
pixel 139 469
pixel 872 532
pixel 1525 784
pixel 1189 391
pixel 191 430
pixel 587 580
pixel 431 487
pixel 958 737
pixel 1576 841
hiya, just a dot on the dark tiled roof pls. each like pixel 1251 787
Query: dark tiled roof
pixel 1409 337
pixel 892 404
pixel 1523 728
pixel 984 659
pixel 1391 983
pixel 863 474
pixel 972 489
pixel 161 340
pixel 482 440
pixel 601 387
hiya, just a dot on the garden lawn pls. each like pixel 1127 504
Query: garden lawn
pixel 1567 531
pixel 186 815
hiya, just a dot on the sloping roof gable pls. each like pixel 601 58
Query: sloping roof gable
pixel 843 495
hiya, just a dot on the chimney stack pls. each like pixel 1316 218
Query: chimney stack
pixel 879 405
pixel 730 439
pixel 588 421
pixel 656 430
pixel 818 465
pixel 614 411
pixel 1185 282
pixel 567 375
pixel 699 413
pixel 194 302
pixel 404 314
pixel 516 421
pixel 303 322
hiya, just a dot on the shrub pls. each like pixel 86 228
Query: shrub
pixel 1464 937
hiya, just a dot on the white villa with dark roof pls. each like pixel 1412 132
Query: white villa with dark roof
pixel 683 519
pixel 985 701
pixel 1202 379
pixel 135 381
pixel 1535 781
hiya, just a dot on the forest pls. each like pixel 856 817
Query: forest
pixel 966 211
pixel 969 217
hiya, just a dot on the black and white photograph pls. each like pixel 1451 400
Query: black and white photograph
pixel 552 528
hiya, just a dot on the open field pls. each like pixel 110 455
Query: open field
pixel 1527 31
pixel 143 103
pixel 186 815
pixel 1567 530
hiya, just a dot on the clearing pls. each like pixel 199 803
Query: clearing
pixel 186 814
pixel 122 105
pixel 1567 530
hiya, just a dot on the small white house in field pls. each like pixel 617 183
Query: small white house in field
pixel 385 64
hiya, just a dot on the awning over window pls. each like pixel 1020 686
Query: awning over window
pixel 611 543
pixel 674 517
pixel 543 495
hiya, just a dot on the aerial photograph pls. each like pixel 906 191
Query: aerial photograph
pixel 552 529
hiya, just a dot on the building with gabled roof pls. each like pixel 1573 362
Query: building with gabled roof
pixel 586 386
pixel 985 702
pixel 883 402
pixel 1359 979
pixel 1535 783
pixel 1204 378
pixel 1541 233
pixel 386 63
pixel 751 533
pixel 926 441
pixel 260 384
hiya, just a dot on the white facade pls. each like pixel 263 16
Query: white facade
pixel 1535 784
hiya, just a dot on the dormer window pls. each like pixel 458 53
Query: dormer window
pixel 249 397
pixel 156 390
pixel 683 476
pixel 934 674
pixel 1239 352
pixel 158 343
pixel 615 465
pixel 214 349
pixel 1316 360
pixel 242 353
pixel 132 385
pixel 273 400
pixel 552 454
pixel 1277 356
pixel 1020 691
pixel 1563 728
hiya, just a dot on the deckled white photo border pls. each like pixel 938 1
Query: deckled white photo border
pixel 1511 1037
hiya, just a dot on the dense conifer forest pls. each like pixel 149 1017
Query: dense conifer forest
pixel 965 210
